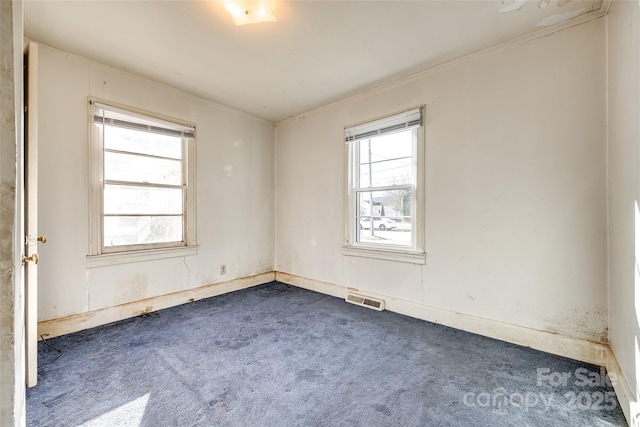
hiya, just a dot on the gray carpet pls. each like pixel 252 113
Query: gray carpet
pixel 276 355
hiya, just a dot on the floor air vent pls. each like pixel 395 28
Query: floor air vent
pixel 374 303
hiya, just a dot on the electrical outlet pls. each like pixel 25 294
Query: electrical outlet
pixel 223 269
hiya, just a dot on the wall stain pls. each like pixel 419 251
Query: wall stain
pixel 511 6
pixel 584 324
pixel 148 309
pixel 133 288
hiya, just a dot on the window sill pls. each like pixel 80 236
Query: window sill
pixel 385 254
pixel 105 260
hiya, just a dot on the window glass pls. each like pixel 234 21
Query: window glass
pixel 141 169
pixel 136 141
pixel 134 230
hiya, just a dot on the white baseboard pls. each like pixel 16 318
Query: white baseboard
pixel 624 392
pixel 78 322
pixel 573 348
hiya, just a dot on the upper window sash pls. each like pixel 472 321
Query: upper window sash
pixel 406 120
pixel 114 116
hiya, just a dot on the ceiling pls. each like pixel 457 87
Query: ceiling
pixel 316 53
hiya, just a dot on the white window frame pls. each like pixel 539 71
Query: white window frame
pixel 414 253
pixel 99 255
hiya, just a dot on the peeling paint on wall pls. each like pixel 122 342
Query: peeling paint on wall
pixel 543 3
pixel 511 6
pixel 559 18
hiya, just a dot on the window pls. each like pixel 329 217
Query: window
pixel 385 166
pixel 143 189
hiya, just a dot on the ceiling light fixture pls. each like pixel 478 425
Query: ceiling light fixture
pixel 249 11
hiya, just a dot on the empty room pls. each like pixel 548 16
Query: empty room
pixel 323 213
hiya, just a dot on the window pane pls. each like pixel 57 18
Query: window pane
pixel 365 154
pixel 126 230
pixel 135 141
pixel 127 167
pixel 123 199
pixel 383 174
pixel 365 177
pixel 391 146
pixel 386 160
pixel 390 212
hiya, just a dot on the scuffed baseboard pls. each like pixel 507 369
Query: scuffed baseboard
pixel 573 348
pixel 585 351
pixel 78 322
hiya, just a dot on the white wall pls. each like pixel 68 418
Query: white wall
pixel 235 209
pixel 623 31
pixel 515 191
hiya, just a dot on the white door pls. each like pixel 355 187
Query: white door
pixel 31 240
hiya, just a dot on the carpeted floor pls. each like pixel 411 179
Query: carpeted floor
pixel 277 355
